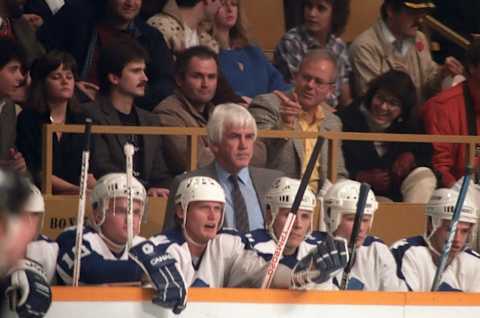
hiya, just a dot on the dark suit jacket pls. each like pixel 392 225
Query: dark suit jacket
pixel 108 153
pixel 262 181
pixel 8 123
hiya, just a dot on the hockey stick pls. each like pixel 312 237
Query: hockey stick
pixel 129 150
pixel 453 228
pixel 287 228
pixel 352 245
pixel 81 201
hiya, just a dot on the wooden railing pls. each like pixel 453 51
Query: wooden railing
pixel 446 32
pixel 192 134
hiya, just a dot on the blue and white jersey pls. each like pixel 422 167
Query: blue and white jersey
pixel 262 241
pixel 228 260
pixel 45 252
pixel 99 265
pixel 417 269
pixel 374 268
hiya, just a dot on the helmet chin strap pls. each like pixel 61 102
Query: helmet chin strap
pixel 115 247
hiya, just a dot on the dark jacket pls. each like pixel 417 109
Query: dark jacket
pixel 108 153
pixel 71 29
pixel 362 155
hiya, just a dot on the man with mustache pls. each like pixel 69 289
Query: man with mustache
pixel 196 75
pixel 303 109
pixel 121 69
pixel 394 42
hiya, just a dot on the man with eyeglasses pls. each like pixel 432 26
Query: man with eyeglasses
pixel 302 109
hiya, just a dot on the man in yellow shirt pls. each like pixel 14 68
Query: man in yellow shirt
pixel 302 109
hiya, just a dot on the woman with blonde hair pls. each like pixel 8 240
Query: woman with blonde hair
pixel 244 65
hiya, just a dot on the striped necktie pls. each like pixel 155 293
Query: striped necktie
pixel 239 206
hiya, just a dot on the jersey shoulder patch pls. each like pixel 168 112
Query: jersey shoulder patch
pixel 315 237
pixel 258 236
pixel 473 253
pixel 369 240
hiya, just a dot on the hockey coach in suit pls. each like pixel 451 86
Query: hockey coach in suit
pixel 232 132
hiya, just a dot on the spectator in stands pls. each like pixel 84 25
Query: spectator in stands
pixel 325 21
pixel 243 64
pixel 196 74
pixel 184 23
pixel 51 100
pixel 231 135
pixel 394 170
pixel 456 111
pixel 302 109
pixel 11 81
pixel 394 42
pixel 121 69
pixel 83 27
pixel 104 245
pixel 19 27
pixel 181 23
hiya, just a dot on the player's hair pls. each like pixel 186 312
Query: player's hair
pixel 115 56
pixel 228 115
pixel 10 50
pixel 184 58
pixel 340 14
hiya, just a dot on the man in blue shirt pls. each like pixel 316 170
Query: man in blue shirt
pixel 232 132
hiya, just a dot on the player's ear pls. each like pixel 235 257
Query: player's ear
pixel 179 213
pixel 268 215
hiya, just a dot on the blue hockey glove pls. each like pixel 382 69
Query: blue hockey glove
pixel 29 292
pixel 324 262
pixel 170 290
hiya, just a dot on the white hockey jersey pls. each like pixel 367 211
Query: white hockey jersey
pixel 99 265
pixel 45 252
pixel 417 269
pixel 374 268
pixel 228 260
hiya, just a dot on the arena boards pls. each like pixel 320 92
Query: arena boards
pixel 131 302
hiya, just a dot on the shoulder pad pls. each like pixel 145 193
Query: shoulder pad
pixel 473 253
pixel 369 240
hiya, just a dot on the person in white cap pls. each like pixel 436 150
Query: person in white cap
pixel 302 240
pixel 418 257
pixel 374 267
pixel 104 258
pixel 199 253
pixel 29 292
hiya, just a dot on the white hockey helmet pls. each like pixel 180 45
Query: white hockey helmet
pixel 442 204
pixel 199 188
pixel 35 203
pixel 282 194
pixel 114 185
pixel 342 199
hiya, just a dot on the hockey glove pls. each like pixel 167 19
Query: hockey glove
pixel 170 290
pixel 324 262
pixel 29 292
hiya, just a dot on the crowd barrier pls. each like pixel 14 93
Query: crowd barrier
pixel 123 302
pixel 392 222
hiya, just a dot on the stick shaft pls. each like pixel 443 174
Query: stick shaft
pixel 287 228
pixel 352 245
pixel 81 203
pixel 451 231
pixel 129 150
